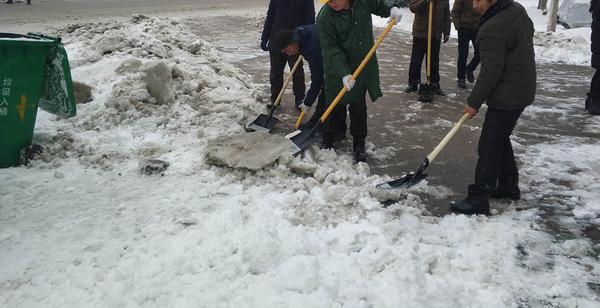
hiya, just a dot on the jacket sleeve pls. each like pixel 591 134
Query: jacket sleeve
pixel 309 13
pixel 457 9
pixel 335 62
pixel 418 6
pixel 266 34
pixel 447 23
pixel 380 8
pixel 316 82
pixel 492 51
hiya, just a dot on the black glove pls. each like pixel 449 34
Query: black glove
pixel 263 45
pixel 446 38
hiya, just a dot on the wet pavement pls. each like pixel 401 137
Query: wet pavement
pixel 403 130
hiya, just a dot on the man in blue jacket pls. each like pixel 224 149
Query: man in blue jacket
pixel 285 14
pixel 304 40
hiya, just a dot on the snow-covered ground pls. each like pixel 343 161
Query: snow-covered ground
pixel 83 227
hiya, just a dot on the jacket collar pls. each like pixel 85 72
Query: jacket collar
pixel 494 9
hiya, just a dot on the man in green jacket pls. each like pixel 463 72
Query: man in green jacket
pixel 506 83
pixel 440 30
pixel 466 20
pixel 346 35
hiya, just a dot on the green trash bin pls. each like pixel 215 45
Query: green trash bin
pixel 28 74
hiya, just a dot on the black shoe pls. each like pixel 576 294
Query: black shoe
pixel 327 141
pixel 413 87
pixel 461 83
pixel 592 103
pixel 476 203
pixel 470 77
pixel 435 87
pixel 508 187
pixel 358 144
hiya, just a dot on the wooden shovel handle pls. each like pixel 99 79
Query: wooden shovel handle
pixel 287 80
pixel 299 121
pixel 446 139
pixel 429 30
pixel 359 69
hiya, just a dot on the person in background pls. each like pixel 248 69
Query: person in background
pixel 592 102
pixel 285 14
pixel 440 30
pixel 465 20
pixel 304 40
pixel 507 84
pixel 346 36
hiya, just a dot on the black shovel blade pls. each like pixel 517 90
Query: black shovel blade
pixel 425 93
pixel 303 140
pixel 404 181
pixel 262 123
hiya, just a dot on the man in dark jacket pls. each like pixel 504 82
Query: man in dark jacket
pixel 346 35
pixel 440 28
pixel 506 83
pixel 465 20
pixel 285 14
pixel 304 40
pixel 592 103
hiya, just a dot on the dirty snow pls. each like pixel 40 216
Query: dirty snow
pixel 82 227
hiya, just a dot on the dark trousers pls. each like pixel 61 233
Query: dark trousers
pixel 592 102
pixel 336 122
pixel 419 51
pixel 464 37
pixel 496 157
pixel 278 62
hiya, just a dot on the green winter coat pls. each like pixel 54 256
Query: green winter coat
pixel 440 24
pixel 346 38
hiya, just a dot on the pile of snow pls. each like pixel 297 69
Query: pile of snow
pixel 83 225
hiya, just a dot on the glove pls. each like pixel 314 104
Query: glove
pixel 446 38
pixel 347 82
pixel 395 13
pixel 263 45
pixel 304 108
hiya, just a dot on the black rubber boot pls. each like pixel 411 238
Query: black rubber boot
pixel 592 103
pixel 327 141
pixel 461 83
pixel 358 144
pixel 476 203
pixel 412 87
pixel 435 87
pixel 508 187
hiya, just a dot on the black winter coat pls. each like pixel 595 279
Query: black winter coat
pixel 287 14
pixel 310 48
pixel 595 9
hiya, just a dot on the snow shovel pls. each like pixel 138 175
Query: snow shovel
pixel 413 178
pixel 426 90
pixel 301 139
pixel 299 121
pixel 266 122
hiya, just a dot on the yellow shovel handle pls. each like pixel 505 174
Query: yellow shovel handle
pixel 299 121
pixel 359 69
pixel 287 80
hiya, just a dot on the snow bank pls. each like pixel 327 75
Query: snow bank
pixel 83 227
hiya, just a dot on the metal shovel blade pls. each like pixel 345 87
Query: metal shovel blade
pixel 425 93
pixel 406 180
pixel 302 140
pixel 262 123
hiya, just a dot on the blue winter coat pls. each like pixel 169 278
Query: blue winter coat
pixel 287 14
pixel 307 37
